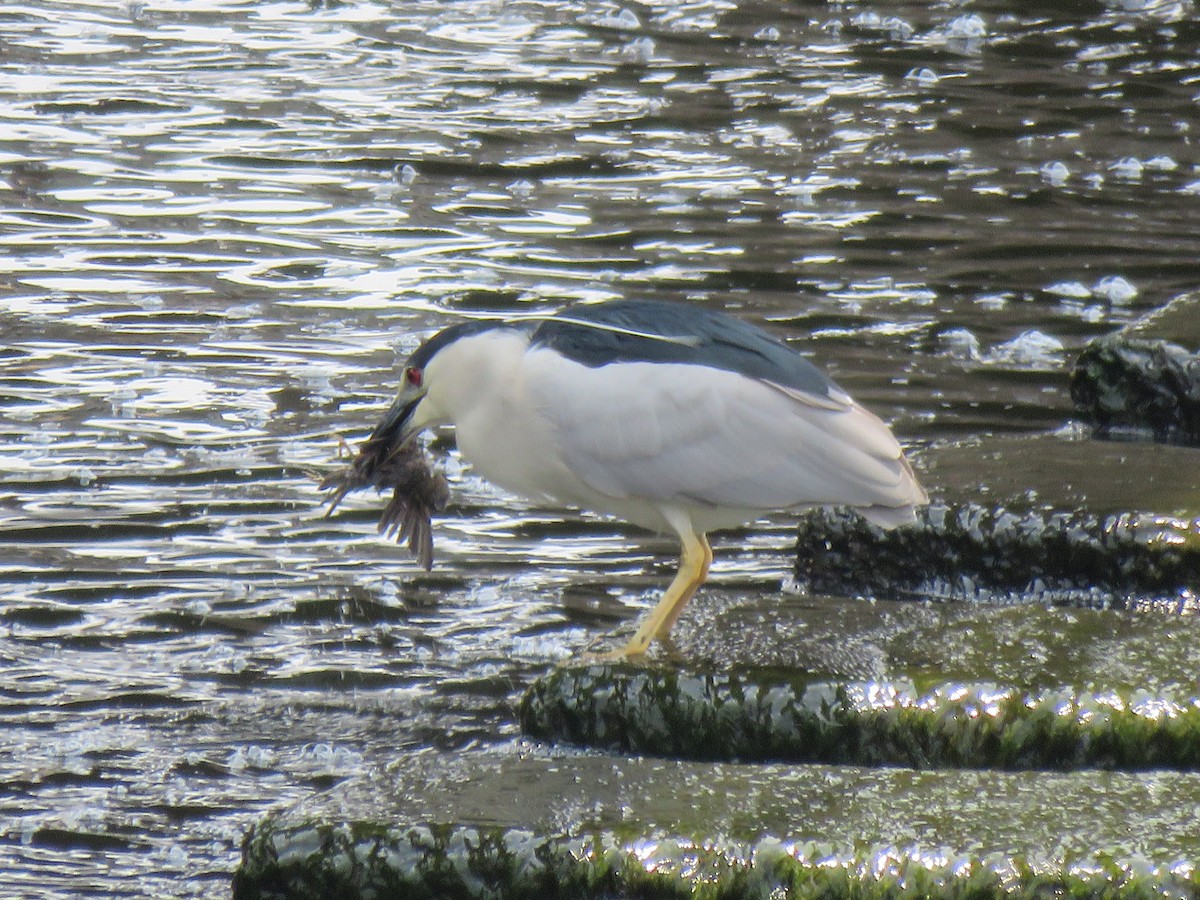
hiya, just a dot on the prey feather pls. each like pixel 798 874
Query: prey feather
pixel 418 491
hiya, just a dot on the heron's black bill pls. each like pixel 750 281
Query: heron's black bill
pixel 391 434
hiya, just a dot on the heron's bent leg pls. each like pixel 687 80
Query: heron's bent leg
pixel 693 569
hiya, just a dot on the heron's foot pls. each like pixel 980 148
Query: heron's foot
pixel 591 656
pixel 594 658
pixel 634 652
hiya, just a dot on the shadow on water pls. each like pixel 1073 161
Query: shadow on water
pixel 222 223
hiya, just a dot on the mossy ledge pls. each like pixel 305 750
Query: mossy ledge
pixel 780 716
pixel 966 551
pixel 540 823
pixel 315 861
pixel 1138 387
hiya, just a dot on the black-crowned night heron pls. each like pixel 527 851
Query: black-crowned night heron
pixel 669 416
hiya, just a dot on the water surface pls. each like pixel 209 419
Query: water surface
pixel 223 223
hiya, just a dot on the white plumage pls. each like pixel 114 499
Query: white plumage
pixel 628 438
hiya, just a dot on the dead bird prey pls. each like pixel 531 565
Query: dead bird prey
pixel 418 490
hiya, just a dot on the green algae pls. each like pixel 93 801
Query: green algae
pixel 364 860
pixel 468 863
pixel 756 716
pixel 587 826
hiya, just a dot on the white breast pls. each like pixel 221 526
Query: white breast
pixel 478 385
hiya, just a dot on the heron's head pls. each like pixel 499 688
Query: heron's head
pixel 433 381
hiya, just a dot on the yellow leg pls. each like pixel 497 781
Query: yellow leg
pixel 685 599
pixel 693 569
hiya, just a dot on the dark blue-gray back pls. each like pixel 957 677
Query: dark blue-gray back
pixel 693 336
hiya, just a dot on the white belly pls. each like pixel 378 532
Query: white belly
pixel 514 447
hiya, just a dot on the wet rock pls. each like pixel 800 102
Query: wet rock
pixel 756 716
pixel 1052 519
pixel 839 681
pixel 584 826
pixel 1144 382
pixel 974 552
pixel 1127 386
pixel 1177 321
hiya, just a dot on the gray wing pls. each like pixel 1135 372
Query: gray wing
pixel 670 432
pixel 627 331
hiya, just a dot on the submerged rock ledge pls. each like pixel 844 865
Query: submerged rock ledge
pixel 969 551
pixel 583 827
pixel 750 717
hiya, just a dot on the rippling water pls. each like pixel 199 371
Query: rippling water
pixel 222 224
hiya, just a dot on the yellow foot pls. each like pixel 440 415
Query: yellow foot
pixel 633 652
pixel 628 653
pixel 592 658
pixel 694 561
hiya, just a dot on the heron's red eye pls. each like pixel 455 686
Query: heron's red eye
pixel 413 376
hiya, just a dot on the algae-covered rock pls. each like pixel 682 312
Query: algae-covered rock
pixel 1049 518
pixel 969 551
pixel 579 827
pixel 756 716
pixel 1141 387
pixel 929 685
